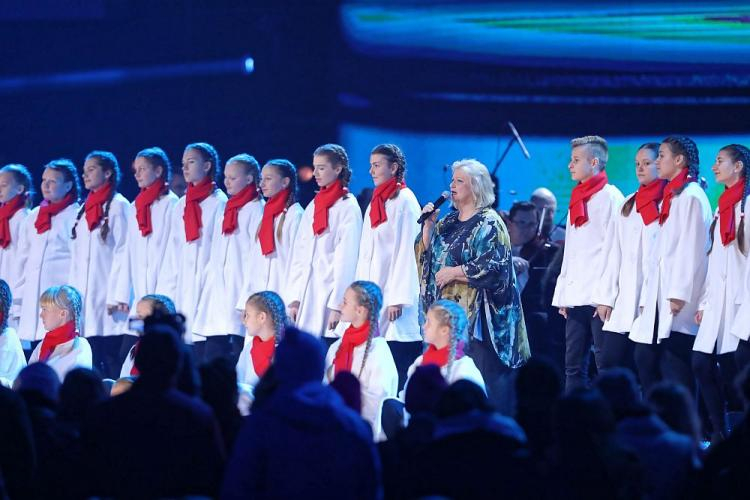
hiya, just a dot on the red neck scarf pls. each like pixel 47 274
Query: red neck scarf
pixel 580 196
pixel 95 205
pixel 647 200
pixel 352 338
pixel 7 211
pixel 672 186
pixel 193 198
pixel 55 337
pixel 381 194
pixel 728 199
pixel 434 356
pixel 143 202
pixel 233 206
pixel 134 371
pixel 262 353
pixel 274 206
pixel 48 210
pixel 324 200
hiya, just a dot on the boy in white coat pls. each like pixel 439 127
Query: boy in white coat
pixel 592 210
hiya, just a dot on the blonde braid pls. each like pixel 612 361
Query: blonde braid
pixel 272 304
pixel 369 296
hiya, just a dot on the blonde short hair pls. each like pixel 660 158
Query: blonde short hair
pixel 481 183
pixel 66 298
pixel 597 146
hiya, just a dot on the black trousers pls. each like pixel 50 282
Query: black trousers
pixel 404 354
pixel 617 351
pixel 499 380
pixel 582 328
pixel 105 351
pixel 219 346
pixel 742 355
pixel 669 360
pixel 715 374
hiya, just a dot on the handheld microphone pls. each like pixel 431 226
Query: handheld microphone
pixel 437 204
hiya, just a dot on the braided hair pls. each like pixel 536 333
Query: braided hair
pixel 394 155
pixel 22 176
pixel 67 298
pixel 737 153
pixel 371 298
pixel 286 170
pixel 208 153
pixel 68 171
pixel 271 303
pixel 249 163
pixel 6 300
pixel 108 163
pixel 653 147
pixel 452 315
pixel 157 158
pixel 685 146
pixel 337 156
pixel 160 303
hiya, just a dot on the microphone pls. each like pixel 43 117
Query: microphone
pixel 437 204
pixel 519 141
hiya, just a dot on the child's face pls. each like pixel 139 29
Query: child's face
pixel 145 173
pixel 667 164
pixel 381 170
pixel 436 333
pixel 645 166
pixel 194 168
pixel 324 171
pixel 582 164
pixel 94 176
pixel 54 185
pixel 144 309
pixel 254 319
pixel 271 181
pixel 53 316
pixel 9 188
pixel 725 170
pixel 236 178
pixel 351 310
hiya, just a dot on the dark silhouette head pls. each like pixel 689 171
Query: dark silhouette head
pixel 80 391
pixel 347 385
pixel 620 389
pixel 299 359
pixel 461 397
pixel 426 387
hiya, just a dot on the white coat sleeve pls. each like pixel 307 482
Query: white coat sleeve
pixel 118 284
pixel 557 297
pixel 345 256
pixel 403 281
pixel 166 282
pixel 691 245
pixel 299 268
pixel 24 244
pixel 607 288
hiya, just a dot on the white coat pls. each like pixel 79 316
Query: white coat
pixel 629 248
pixel 186 264
pixel 99 271
pixel 12 359
pixel 323 266
pixel 245 369
pixel 46 260
pixel 583 257
pixel 722 293
pixel 461 369
pixel 128 363
pixel 11 269
pixel 271 272
pixel 678 269
pixel 228 273
pixel 147 253
pixel 67 356
pixel 378 380
pixel 386 257
pixel 741 326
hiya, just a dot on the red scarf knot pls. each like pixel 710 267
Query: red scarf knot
pixel 728 199
pixel 580 196
pixel 94 205
pixel 193 213
pixel 435 356
pixel 647 200
pixel 143 202
pixel 382 193
pixel 353 337
pixel 54 338
pixel 7 211
pixel 261 354
pixel 324 200
pixel 276 205
pixel 669 192
pixel 48 210
pixel 233 206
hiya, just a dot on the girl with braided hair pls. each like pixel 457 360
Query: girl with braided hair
pixel 264 319
pixel 16 196
pixel 45 244
pixel 672 288
pixel 386 254
pixel 192 230
pixel 718 307
pixel 63 347
pixel 148 305
pixel 326 248
pixel 99 262
pixel 12 359
pixel 363 352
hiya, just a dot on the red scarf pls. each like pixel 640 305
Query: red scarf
pixel 434 356
pixel 143 202
pixel 262 353
pixel 134 371
pixel 381 194
pixel 352 338
pixel 647 200
pixel 728 199
pixel 324 200
pixel 7 211
pixel 233 206
pixel 192 216
pixel 672 186
pixel 55 337
pixel 48 210
pixel 95 205
pixel 274 206
pixel 580 196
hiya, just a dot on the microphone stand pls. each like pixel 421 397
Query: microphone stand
pixel 513 139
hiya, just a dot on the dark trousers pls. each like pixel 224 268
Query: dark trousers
pixel 670 360
pixel 404 354
pixel 105 351
pixel 617 351
pixel 714 375
pixel 392 417
pixel 742 355
pixel 219 346
pixel 499 380
pixel 581 329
